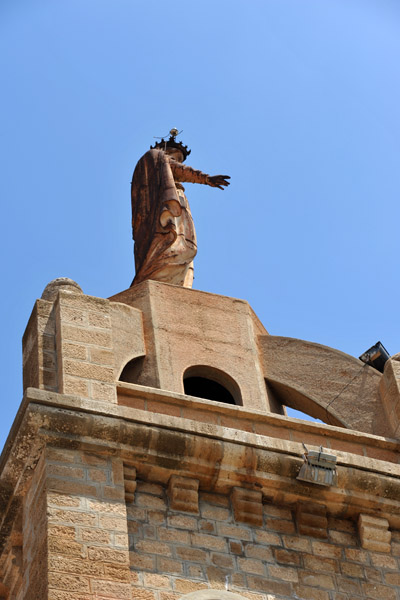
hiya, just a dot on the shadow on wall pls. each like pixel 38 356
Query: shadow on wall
pixel 202 381
pixel 201 387
pixel 132 370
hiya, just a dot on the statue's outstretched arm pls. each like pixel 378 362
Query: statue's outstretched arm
pixel 183 173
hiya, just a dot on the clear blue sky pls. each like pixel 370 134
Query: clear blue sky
pixel 297 100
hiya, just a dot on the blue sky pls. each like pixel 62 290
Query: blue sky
pixel 297 100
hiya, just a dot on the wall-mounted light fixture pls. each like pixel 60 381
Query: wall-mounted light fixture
pixel 319 467
pixel 376 356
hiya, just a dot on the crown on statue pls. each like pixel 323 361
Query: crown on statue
pixel 172 143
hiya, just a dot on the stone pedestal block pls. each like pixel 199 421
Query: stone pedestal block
pixel 212 336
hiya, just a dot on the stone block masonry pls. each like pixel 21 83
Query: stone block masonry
pixel 84 346
pixel 78 344
pixel 247 505
pixel 173 553
pixel 374 533
pixel 88 534
pixel 183 494
pixel 133 490
pixel 75 529
pixel 110 507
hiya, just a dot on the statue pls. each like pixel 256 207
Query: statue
pixel 162 225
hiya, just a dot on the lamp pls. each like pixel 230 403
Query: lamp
pixel 319 467
pixel 376 356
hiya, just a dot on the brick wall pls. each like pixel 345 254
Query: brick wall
pixel 82 541
pixel 174 553
pixel 78 344
pixel 76 544
pixel 84 346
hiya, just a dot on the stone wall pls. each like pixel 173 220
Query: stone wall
pixel 35 536
pixel 87 527
pixel 124 491
pixel 173 553
pixel 78 344
pixel 98 546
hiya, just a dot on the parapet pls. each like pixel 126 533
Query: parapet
pixel 78 344
pixel 160 336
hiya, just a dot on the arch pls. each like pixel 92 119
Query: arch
pixel 131 371
pixel 324 383
pixel 212 594
pixel 209 383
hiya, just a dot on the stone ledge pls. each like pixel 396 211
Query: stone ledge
pixel 220 458
pixel 340 440
pixel 235 435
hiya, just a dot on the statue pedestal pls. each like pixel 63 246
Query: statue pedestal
pixel 189 331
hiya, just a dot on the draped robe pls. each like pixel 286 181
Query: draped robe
pixel 162 225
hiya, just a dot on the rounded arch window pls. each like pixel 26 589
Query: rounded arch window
pixel 211 384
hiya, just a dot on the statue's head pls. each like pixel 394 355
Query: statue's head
pixel 175 149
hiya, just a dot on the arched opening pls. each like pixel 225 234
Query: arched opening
pixel 132 370
pixel 298 414
pixel 297 404
pixel 211 384
pixel 207 389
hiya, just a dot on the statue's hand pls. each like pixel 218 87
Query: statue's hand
pixel 218 181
